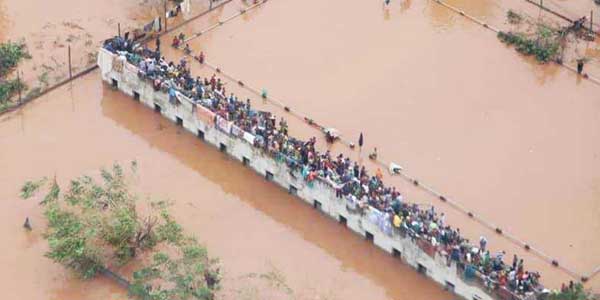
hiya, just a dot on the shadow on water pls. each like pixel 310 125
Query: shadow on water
pixel 353 252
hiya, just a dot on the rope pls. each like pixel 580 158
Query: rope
pixel 220 23
pixel 512 238
pixel 562 16
pixel 509 236
pixel 91 68
pixel 472 18
pixel 496 30
pixel 594 273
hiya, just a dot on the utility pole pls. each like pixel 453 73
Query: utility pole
pixel 166 17
pixel 19 85
pixel 70 69
pixel 591 21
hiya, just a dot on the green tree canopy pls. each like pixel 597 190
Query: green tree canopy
pixel 11 54
pixel 95 225
pixel 576 293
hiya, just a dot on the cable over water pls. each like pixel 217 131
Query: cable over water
pixel 403 174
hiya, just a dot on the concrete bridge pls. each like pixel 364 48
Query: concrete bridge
pixel 419 254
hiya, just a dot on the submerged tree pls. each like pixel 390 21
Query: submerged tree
pixel 577 292
pixel 95 225
pixel 545 43
pixel 11 54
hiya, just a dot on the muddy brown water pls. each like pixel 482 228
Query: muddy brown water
pixel 49 29
pixel 511 140
pixel 250 224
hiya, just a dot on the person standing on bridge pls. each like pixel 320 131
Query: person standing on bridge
pixel 213 83
pixel 360 141
pixel 580 63
pixel 514 262
pixel 175 43
pixel 283 125
pixel 482 243
pixel 172 95
pixel 373 155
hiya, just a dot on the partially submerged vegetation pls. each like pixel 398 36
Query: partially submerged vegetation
pixel 540 38
pixel 11 54
pixel 513 17
pixel 576 292
pixel 544 44
pixel 92 226
pixel 31 187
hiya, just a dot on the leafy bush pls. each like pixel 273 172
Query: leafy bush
pixel 545 47
pixel 9 88
pixel 10 56
pixel 576 293
pixel 93 224
pixel 30 187
pixel 513 17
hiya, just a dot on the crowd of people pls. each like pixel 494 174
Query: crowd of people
pixel 352 182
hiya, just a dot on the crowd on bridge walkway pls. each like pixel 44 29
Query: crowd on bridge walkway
pixel 363 192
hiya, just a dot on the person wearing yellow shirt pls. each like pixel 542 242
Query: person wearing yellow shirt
pixel 379 174
pixel 397 221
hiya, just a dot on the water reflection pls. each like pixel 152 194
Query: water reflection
pixel 245 185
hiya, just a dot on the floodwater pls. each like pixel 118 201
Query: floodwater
pixel 50 29
pixel 512 141
pixel 83 127
pixel 250 224
pixel 576 9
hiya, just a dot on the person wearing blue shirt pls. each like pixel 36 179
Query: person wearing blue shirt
pixel 172 95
